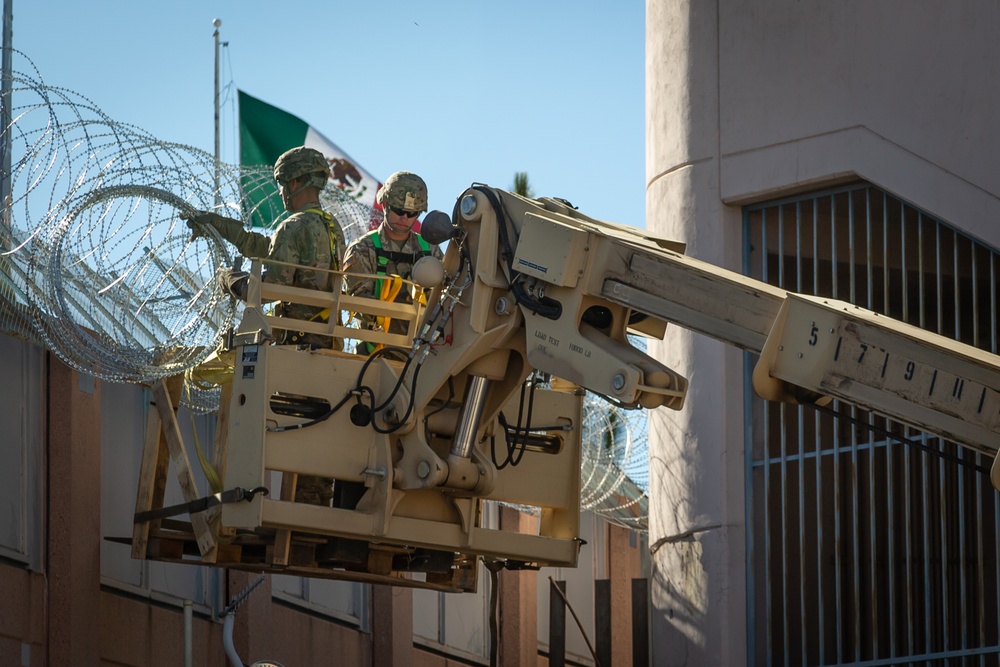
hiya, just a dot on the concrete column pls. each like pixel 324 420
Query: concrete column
pixel 392 626
pixel 254 637
pixel 696 455
pixel 624 565
pixel 518 614
pixel 74 517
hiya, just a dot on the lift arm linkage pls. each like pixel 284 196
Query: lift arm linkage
pixel 814 349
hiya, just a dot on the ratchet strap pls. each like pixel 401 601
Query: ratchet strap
pixel 200 505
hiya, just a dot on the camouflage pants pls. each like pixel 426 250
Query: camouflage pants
pixel 314 490
pixel 314 341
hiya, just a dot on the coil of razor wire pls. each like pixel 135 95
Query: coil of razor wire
pixel 614 471
pixel 97 264
pixel 614 461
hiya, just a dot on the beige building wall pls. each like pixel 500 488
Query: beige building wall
pixel 746 102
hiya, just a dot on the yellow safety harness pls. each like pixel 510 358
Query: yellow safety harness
pixel 388 288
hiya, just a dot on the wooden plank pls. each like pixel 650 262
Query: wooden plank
pixel 379 561
pixel 182 468
pixel 222 431
pixel 283 536
pixel 152 482
pixel 166 549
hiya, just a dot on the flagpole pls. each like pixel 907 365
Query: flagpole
pixel 218 157
pixel 5 115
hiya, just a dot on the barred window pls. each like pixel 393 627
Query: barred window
pixel 868 540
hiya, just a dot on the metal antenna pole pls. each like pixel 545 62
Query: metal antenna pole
pixel 218 156
pixel 5 119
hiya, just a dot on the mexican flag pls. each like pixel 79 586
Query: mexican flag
pixel 265 133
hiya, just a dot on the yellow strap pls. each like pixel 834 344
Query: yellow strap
pixel 211 474
pixel 390 294
pixel 395 284
pixel 217 369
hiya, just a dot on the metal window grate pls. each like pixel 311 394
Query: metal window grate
pixel 862 550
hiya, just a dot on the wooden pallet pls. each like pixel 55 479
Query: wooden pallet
pixel 203 541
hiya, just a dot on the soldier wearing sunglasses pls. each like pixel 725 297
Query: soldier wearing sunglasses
pixel 394 247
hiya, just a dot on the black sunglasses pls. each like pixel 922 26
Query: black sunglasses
pixel 404 214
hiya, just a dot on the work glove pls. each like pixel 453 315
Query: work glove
pixel 235 283
pixel 200 221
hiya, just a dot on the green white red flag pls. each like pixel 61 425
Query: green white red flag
pixel 267 131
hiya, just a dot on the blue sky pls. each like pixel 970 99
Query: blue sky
pixel 458 92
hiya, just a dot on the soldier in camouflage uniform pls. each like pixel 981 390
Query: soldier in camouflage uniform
pixel 307 238
pixel 394 247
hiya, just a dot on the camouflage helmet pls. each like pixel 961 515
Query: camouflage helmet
pixel 300 161
pixel 404 190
